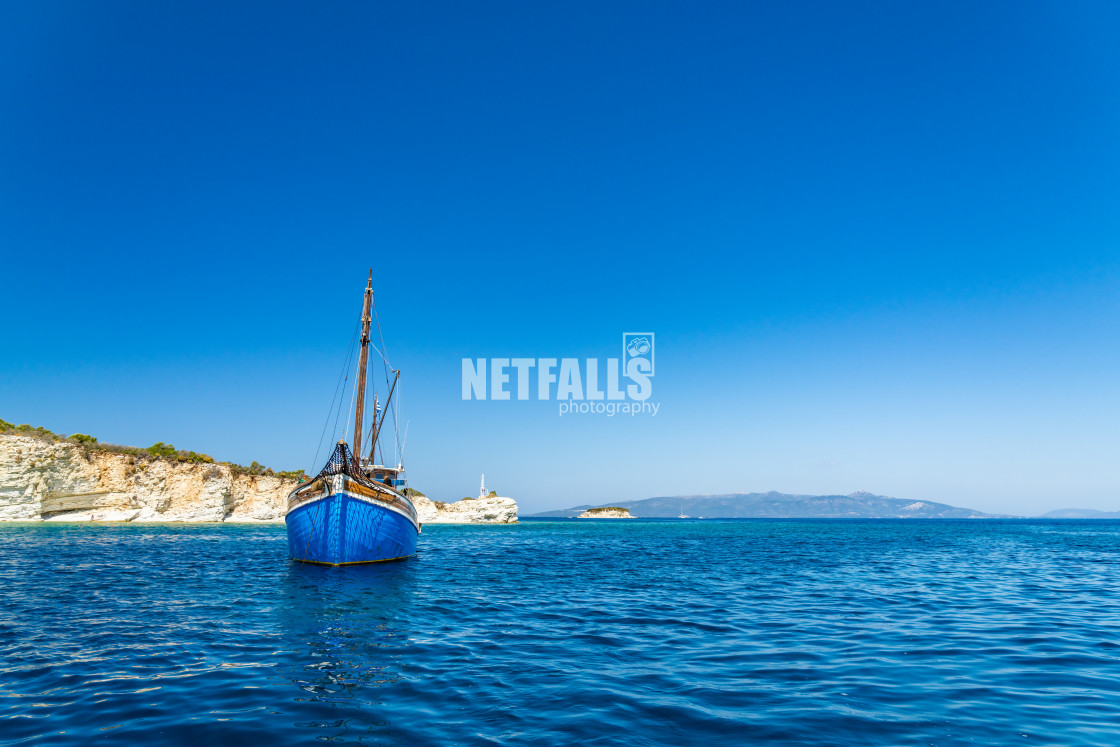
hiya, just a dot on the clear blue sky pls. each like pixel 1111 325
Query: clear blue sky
pixel 879 243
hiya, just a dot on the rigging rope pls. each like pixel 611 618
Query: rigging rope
pixel 341 374
pixel 389 369
pixel 346 370
pixel 349 412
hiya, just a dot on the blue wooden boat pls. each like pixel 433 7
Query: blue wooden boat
pixel 355 510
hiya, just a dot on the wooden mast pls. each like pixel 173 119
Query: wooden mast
pixel 359 409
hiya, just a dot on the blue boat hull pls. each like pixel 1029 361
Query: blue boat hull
pixel 340 529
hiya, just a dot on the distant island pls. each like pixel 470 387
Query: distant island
pixel 859 505
pixel 1080 513
pixel 606 512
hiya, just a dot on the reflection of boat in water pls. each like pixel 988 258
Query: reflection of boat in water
pixel 354 510
pixel 346 630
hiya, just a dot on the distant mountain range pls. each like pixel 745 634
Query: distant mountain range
pixel 773 505
pixel 1080 513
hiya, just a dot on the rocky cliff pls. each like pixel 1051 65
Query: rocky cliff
pixel 470 511
pixel 63 481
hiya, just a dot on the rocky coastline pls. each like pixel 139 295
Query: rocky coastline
pixel 55 479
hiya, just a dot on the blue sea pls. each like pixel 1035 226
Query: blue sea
pixel 564 632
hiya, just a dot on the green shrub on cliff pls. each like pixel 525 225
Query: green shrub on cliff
pixel 36 431
pixel 256 468
pixel 28 430
pixel 160 449
pixel 259 470
pixel 127 450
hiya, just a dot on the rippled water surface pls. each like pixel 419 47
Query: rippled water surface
pixel 620 632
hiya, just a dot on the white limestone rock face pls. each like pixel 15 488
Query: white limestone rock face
pixel 29 468
pixel 41 480
pixel 493 510
pixel 610 512
pixel 63 482
pixel 260 498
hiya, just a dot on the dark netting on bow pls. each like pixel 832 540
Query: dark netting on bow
pixel 342 463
